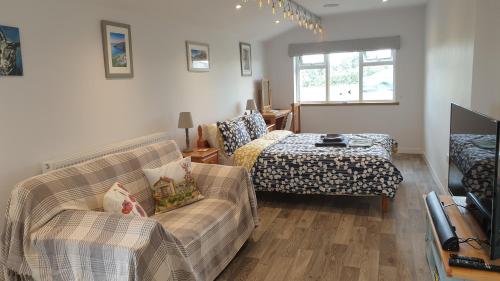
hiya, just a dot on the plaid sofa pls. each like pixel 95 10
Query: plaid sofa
pixel 55 228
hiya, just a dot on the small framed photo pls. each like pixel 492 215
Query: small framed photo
pixel 198 56
pixel 11 62
pixel 246 59
pixel 117 43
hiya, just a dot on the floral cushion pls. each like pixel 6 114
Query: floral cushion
pixel 255 124
pixel 173 185
pixel 234 134
pixel 119 200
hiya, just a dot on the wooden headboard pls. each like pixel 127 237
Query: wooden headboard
pixel 201 142
pixel 296 117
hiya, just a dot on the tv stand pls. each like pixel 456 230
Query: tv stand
pixel 466 226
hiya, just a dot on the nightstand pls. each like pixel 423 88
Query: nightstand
pixel 210 156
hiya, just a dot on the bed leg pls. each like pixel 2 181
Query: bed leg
pixel 385 204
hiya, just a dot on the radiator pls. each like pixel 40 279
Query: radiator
pixel 110 149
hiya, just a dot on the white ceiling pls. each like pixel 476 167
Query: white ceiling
pixel 254 23
pixel 346 6
pixel 250 22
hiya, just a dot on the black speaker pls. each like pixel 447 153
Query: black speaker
pixel 445 230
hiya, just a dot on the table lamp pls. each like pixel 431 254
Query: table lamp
pixel 251 105
pixel 186 122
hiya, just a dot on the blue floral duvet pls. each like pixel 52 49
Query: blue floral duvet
pixel 295 165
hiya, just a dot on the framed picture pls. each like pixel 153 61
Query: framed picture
pixel 246 59
pixel 198 56
pixel 117 43
pixel 11 62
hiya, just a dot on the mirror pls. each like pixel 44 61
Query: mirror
pixel 265 96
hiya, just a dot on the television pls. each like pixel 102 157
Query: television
pixel 473 170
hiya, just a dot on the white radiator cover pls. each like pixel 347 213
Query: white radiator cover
pixel 110 149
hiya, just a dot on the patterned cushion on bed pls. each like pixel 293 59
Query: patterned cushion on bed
pixel 255 124
pixel 234 134
pixel 211 134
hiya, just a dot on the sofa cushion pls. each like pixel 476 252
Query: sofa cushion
pixel 119 200
pixel 203 227
pixel 173 185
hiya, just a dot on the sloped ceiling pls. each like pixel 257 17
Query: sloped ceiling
pixel 254 23
pixel 346 6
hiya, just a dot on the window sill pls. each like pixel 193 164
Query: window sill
pixel 350 103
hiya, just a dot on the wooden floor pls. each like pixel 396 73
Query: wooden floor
pixel 340 238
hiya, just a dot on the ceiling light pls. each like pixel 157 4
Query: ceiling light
pixel 331 5
pixel 238 7
pixel 293 11
pixel 385 1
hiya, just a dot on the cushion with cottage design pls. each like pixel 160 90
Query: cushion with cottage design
pixel 173 185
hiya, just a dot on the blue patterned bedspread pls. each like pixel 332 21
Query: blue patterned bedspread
pixel 295 165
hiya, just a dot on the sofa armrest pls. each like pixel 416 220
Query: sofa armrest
pixel 87 245
pixel 221 182
pixel 225 182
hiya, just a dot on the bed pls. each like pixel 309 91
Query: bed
pixel 281 161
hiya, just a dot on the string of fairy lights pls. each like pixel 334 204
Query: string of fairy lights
pixel 293 12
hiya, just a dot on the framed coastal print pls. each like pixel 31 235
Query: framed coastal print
pixel 198 56
pixel 117 43
pixel 11 63
pixel 246 59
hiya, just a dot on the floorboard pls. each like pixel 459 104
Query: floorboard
pixel 338 237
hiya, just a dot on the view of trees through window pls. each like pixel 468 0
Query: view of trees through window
pixel 339 77
pixel 344 77
pixel 313 84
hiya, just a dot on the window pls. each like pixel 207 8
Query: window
pixel 346 77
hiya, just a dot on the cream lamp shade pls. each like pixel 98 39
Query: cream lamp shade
pixel 251 105
pixel 185 120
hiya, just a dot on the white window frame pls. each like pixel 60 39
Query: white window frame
pixel 298 66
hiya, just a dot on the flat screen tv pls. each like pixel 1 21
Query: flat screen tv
pixel 473 170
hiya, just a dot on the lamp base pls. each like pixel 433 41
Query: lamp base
pixel 188 146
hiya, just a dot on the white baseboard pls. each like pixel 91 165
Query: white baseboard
pixel 407 150
pixel 434 175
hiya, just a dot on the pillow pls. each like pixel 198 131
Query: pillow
pixel 255 124
pixel 234 134
pixel 210 133
pixel 119 200
pixel 173 185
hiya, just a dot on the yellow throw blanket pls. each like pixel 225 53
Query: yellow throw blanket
pixel 247 155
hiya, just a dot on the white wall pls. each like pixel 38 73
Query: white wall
pixel 486 74
pixel 404 121
pixel 450 49
pixel 462 67
pixel 64 104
